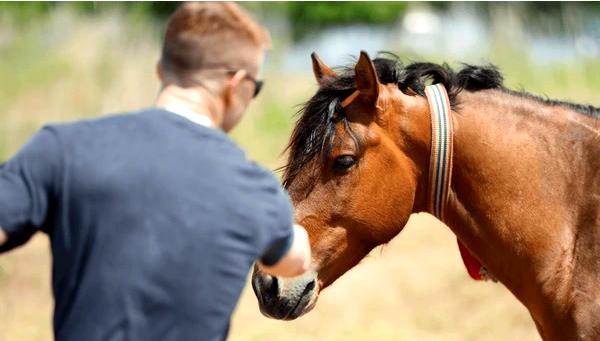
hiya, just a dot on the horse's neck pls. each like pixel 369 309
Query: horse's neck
pixel 520 168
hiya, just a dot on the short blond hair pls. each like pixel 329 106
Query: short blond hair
pixel 210 35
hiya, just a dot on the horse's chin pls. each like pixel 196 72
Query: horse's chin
pixel 285 298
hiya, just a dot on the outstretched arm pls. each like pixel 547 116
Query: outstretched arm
pixel 27 186
pixel 297 259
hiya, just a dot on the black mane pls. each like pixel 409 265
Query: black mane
pixel 314 133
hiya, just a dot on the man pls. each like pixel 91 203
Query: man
pixel 156 217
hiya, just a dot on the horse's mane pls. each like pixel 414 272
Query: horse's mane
pixel 315 129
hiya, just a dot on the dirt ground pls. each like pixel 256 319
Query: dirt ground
pixel 414 288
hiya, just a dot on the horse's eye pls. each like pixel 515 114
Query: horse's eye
pixel 343 163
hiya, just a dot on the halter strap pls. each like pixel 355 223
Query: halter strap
pixel 440 168
pixel 440 164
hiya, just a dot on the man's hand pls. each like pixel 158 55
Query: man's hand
pixel 297 259
pixel 3 236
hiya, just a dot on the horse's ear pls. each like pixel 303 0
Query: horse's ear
pixel 321 70
pixel 367 83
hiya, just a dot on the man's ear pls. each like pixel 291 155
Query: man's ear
pixel 366 79
pixel 320 70
pixel 159 73
pixel 233 86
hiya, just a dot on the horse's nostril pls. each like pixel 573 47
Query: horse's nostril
pixel 265 285
pixel 311 285
pixel 272 286
pixel 265 281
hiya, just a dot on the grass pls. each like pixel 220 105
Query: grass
pixel 67 67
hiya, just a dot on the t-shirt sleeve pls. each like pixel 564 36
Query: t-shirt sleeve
pixel 27 183
pixel 277 249
pixel 279 231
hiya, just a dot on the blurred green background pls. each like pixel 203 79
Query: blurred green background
pixel 68 61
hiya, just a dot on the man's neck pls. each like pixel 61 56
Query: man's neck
pixel 195 104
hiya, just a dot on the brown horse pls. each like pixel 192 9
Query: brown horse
pixel 524 197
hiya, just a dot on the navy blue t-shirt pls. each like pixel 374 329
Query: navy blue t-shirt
pixel 154 223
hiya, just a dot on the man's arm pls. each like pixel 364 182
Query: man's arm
pixel 27 183
pixel 297 259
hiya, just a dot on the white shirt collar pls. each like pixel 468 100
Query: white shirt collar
pixel 199 119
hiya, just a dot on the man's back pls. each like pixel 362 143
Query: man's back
pixel 155 222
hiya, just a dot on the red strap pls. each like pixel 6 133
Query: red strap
pixel 472 264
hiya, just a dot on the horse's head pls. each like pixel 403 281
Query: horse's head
pixel 356 162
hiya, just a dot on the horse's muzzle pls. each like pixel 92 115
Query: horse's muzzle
pixel 285 298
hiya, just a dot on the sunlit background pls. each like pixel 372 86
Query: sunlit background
pixel 67 61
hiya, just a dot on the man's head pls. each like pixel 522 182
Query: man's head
pixel 215 45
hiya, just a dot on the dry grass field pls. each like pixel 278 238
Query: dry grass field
pixel 414 288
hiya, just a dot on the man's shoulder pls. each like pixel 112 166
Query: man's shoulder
pixel 253 170
pixel 266 188
pixel 150 125
pixel 102 121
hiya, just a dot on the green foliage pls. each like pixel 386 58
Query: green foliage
pixel 340 13
pixel 310 17
pixel 28 62
pixel 26 11
pixel 305 17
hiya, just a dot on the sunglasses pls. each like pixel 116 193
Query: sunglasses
pixel 258 83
